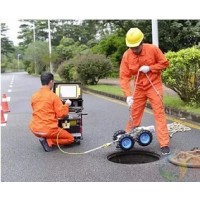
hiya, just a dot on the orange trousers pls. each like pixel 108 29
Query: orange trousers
pixel 64 138
pixel 137 110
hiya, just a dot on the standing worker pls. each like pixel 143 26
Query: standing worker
pixel 47 108
pixel 145 63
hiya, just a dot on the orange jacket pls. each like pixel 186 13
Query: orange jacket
pixel 152 56
pixel 47 108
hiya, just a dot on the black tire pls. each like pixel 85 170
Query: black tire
pixel 77 141
pixel 145 137
pixel 126 142
pixel 119 132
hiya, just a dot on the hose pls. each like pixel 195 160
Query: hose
pixel 85 152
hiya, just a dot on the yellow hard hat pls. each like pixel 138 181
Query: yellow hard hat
pixel 134 37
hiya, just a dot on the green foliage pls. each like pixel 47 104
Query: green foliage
pixel 30 70
pixel 7 50
pixel 38 53
pixel 4 62
pixel 6 45
pixel 67 41
pixel 110 89
pixel 87 68
pixel 66 70
pixel 175 35
pixel 92 67
pixel 68 48
pixel 183 74
pixel 113 47
pixel 9 63
pixel 169 101
pixel 74 37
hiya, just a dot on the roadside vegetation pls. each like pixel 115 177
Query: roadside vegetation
pixel 169 101
pixel 89 50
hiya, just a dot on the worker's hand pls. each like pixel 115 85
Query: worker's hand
pixel 129 101
pixel 68 102
pixel 144 69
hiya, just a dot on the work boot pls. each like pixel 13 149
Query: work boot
pixel 45 145
pixel 165 150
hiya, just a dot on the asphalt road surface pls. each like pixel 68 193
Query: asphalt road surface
pixel 24 160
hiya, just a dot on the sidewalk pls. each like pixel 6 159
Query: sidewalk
pixel 167 92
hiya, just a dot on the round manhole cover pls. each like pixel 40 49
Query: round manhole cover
pixel 186 158
pixel 133 157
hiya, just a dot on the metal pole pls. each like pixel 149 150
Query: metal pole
pixel 34 46
pixel 154 25
pixel 49 29
pixel 18 55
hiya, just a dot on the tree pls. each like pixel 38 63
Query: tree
pixel 37 52
pixel 6 45
pixel 113 47
pixel 175 35
pixel 31 31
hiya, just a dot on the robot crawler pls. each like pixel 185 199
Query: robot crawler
pixel 142 135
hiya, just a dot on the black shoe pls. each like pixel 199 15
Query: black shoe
pixel 165 150
pixel 45 145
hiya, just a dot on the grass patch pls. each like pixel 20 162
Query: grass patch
pixel 111 89
pixel 170 101
pixel 176 102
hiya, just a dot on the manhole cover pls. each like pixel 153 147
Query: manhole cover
pixel 186 158
pixel 133 157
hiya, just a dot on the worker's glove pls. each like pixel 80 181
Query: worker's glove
pixel 129 101
pixel 144 69
pixel 68 102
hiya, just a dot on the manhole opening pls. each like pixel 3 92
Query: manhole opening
pixel 133 157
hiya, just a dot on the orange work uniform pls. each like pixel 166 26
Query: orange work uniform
pixel 47 108
pixel 150 56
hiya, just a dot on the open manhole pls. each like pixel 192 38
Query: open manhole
pixel 133 157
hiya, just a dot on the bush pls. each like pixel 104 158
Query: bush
pixel 92 67
pixel 183 74
pixel 66 70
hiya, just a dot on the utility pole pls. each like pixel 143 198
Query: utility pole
pixel 154 25
pixel 34 46
pixel 18 55
pixel 49 29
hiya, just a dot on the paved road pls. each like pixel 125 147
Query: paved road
pixel 23 159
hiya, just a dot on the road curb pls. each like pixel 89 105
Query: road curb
pixel 168 110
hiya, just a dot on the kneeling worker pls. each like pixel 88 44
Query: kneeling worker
pixel 47 108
